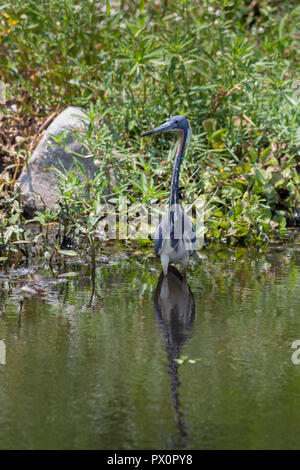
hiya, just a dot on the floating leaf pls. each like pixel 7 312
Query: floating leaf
pixel 179 361
pixel 67 252
pixel 29 290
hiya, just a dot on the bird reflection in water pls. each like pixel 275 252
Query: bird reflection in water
pixel 175 313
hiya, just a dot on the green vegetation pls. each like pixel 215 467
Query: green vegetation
pixel 231 67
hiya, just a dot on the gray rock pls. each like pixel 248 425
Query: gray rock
pixel 38 182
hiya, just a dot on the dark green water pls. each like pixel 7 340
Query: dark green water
pixel 96 370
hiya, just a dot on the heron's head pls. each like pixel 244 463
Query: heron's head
pixel 174 124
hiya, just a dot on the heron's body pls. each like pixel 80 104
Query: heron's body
pixel 174 247
pixel 175 235
pixel 175 314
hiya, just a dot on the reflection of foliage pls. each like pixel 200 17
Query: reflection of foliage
pixel 238 272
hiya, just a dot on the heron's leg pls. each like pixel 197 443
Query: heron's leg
pixel 165 287
pixel 165 263
pixel 185 263
pixel 164 292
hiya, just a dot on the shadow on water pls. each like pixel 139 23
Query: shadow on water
pixel 174 307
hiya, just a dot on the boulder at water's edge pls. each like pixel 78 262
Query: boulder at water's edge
pixel 38 180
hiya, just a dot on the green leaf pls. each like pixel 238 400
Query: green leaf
pixel 218 135
pixel 265 153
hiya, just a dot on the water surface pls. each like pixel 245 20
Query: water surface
pixel 94 365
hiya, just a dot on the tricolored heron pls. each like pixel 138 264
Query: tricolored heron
pixel 175 235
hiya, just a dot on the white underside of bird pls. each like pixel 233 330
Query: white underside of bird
pixel 168 255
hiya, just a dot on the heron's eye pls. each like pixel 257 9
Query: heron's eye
pixel 176 122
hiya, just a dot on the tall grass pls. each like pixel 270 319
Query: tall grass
pixel 231 67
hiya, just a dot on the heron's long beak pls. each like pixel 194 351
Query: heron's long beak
pixel 167 126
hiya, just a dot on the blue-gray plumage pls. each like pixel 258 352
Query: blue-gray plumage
pixel 175 235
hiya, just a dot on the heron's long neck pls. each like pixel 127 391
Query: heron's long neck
pixel 174 193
